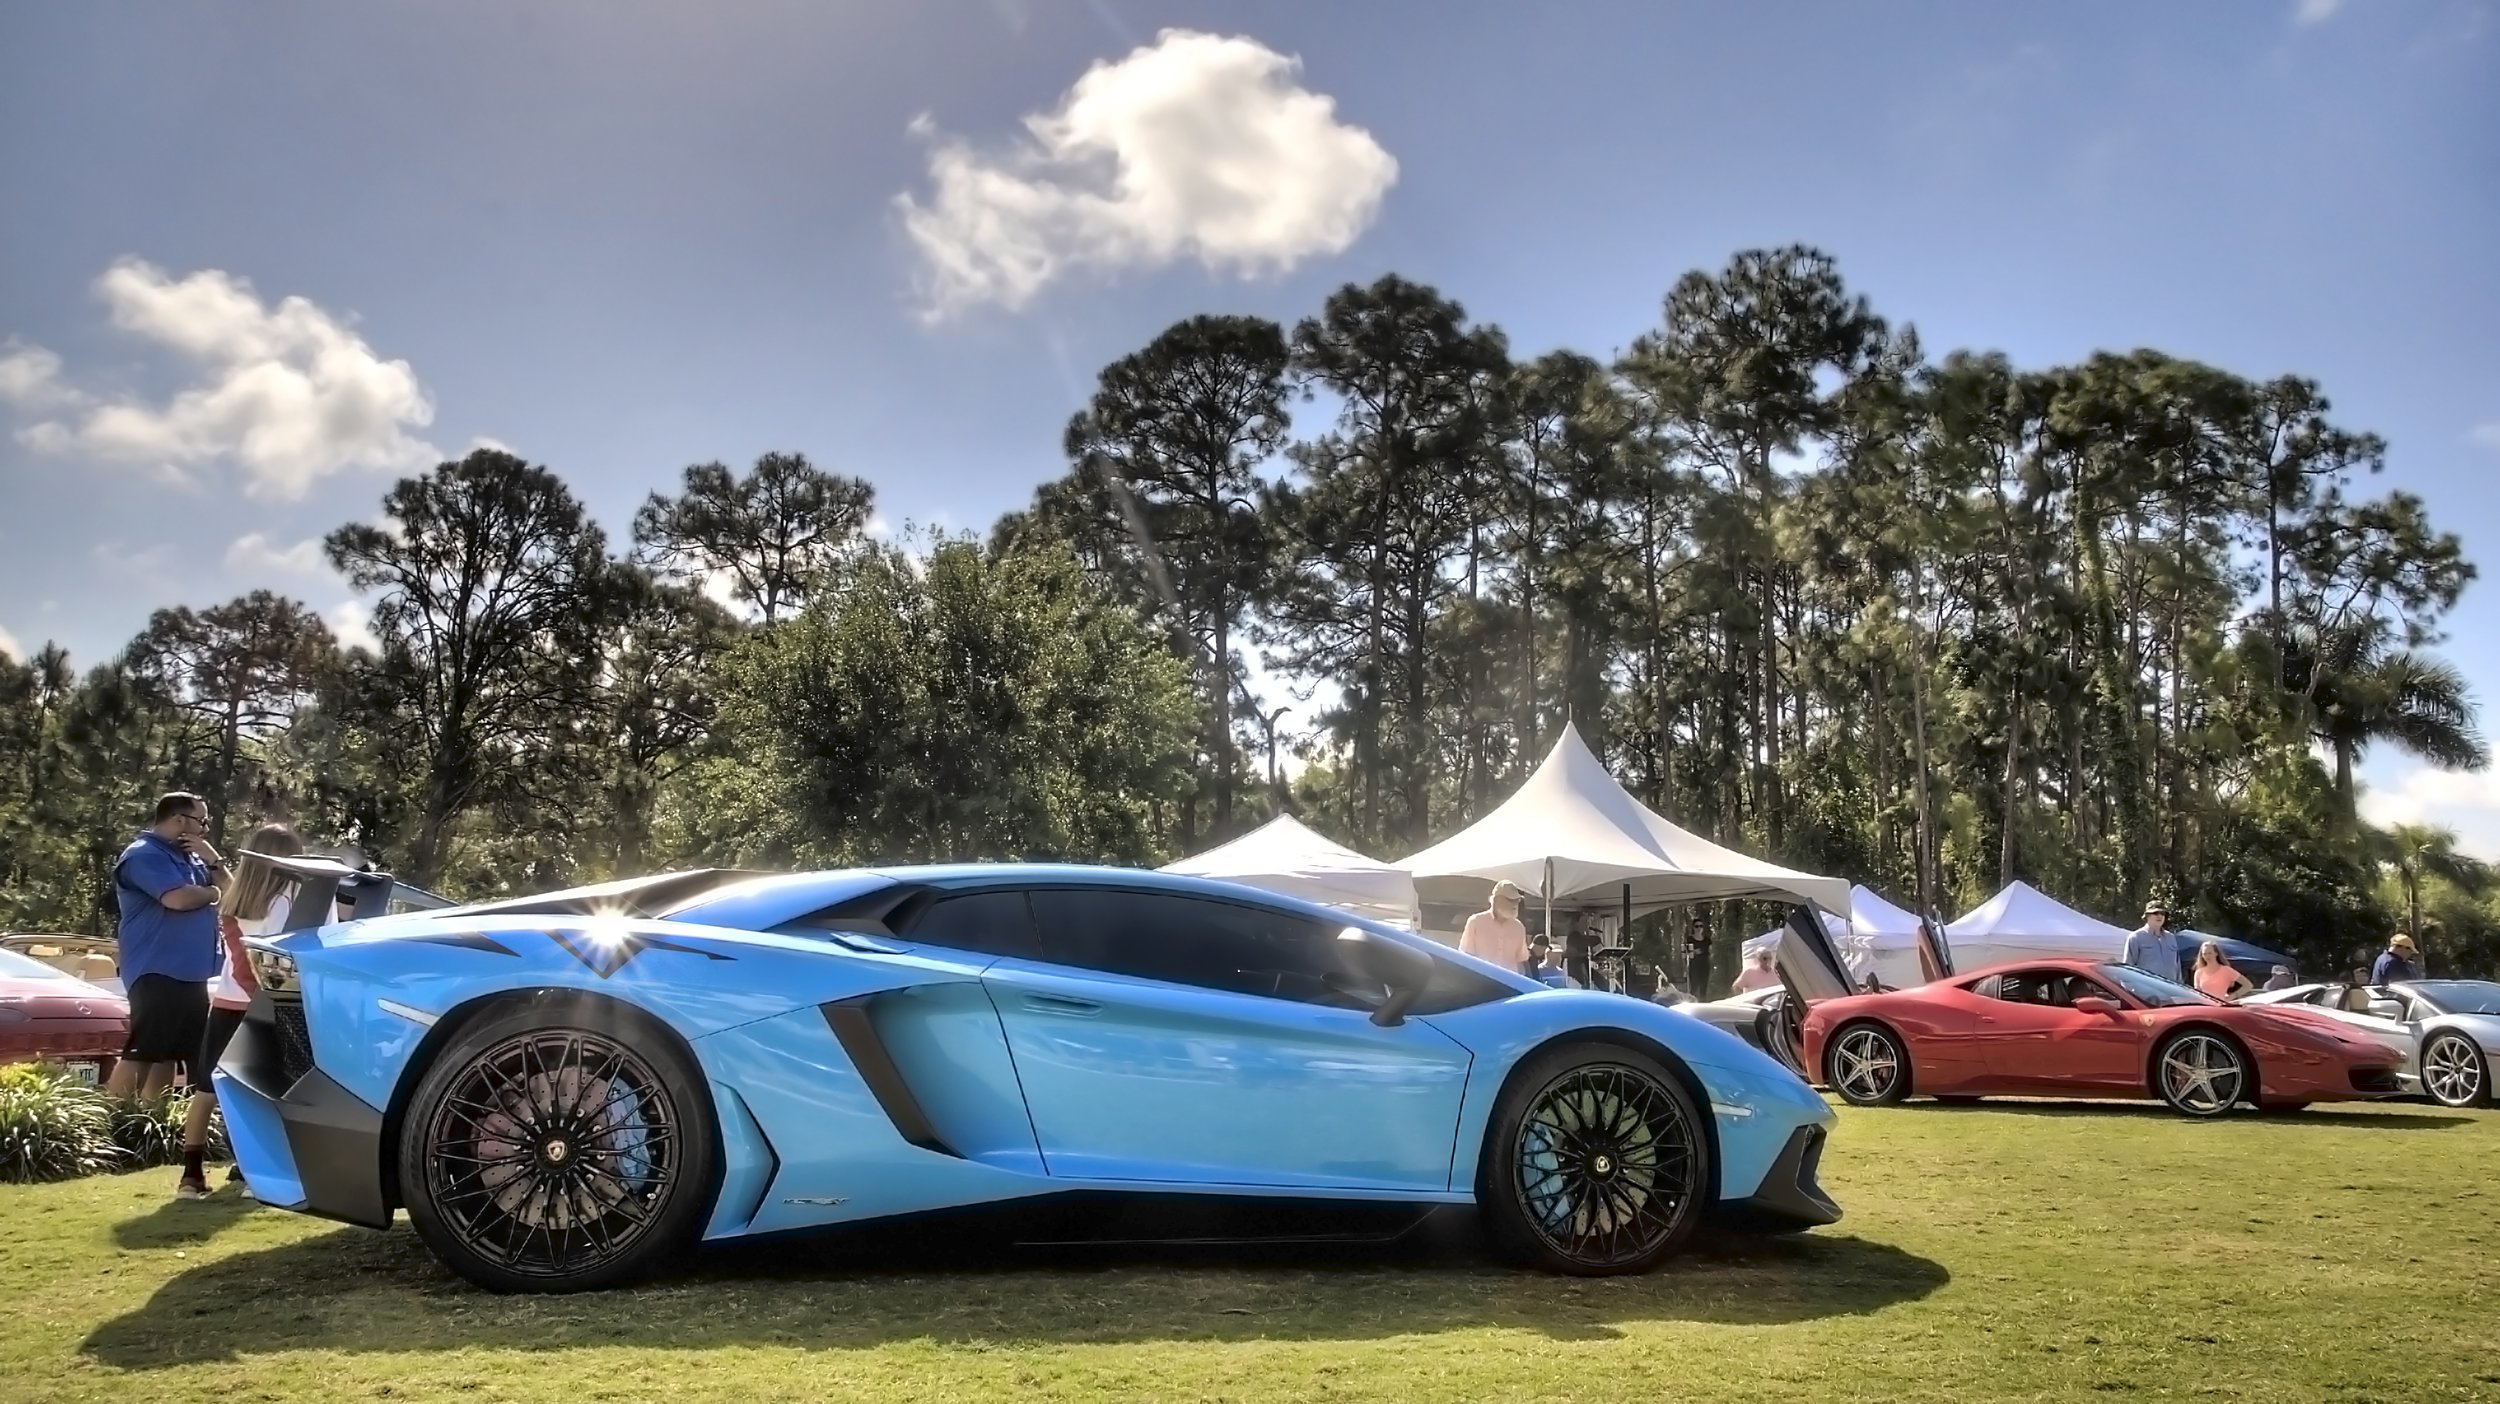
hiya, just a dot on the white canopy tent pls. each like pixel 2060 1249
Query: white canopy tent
pixel 1285 856
pixel 1878 938
pixel 1573 838
pixel 1572 835
pixel 2023 923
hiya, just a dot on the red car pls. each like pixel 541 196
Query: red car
pixel 2079 1028
pixel 54 1016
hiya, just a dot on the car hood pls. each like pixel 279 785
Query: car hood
pixel 2312 1020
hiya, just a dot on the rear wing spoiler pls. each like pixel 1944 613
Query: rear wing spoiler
pixel 324 884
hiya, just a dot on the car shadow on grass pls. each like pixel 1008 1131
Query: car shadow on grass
pixel 358 1290
pixel 2356 1115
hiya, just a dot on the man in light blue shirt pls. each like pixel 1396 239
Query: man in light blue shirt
pixel 2153 948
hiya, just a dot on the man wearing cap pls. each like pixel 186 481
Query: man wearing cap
pixel 2400 961
pixel 2153 949
pixel 1497 934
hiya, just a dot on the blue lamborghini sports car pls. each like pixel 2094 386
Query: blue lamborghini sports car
pixel 569 1090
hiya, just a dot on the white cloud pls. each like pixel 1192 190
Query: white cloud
pixel 2316 11
pixel 1194 146
pixel 353 624
pixel 255 554
pixel 721 588
pixel 289 394
pixel 2466 801
pixel 30 377
pixel 2488 435
pixel 9 646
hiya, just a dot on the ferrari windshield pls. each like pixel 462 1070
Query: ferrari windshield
pixel 2150 990
pixel 2459 996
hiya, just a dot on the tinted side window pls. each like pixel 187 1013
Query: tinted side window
pixel 1188 941
pixel 992 923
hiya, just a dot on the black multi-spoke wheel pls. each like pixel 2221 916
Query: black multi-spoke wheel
pixel 1595 1162
pixel 556 1148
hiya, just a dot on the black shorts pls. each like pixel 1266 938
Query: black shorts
pixel 221 1026
pixel 168 1019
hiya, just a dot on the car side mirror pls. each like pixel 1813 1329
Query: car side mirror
pixel 2095 1004
pixel 1400 968
pixel 2387 1009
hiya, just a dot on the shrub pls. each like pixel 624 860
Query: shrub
pixel 52 1128
pixel 149 1133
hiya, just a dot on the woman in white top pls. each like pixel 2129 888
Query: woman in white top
pixel 257 907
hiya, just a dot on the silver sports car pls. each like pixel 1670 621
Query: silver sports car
pixel 2447 1030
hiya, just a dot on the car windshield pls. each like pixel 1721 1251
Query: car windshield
pixel 2459 996
pixel 2151 990
pixel 25 967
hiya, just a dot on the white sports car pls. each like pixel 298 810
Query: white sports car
pixel 2447 1030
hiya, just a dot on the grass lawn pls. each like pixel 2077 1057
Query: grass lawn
pixel 2008 1251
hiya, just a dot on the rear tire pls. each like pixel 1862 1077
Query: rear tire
pixel 2454 1071
pixel 2202 1073
pixel 1867 1065
pixel 559 1145
pixel 1596 1162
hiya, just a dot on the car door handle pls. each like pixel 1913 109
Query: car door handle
pixel 1062 1004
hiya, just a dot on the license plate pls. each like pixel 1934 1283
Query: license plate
pixel 85 1074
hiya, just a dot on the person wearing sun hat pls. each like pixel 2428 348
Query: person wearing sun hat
pixel 2400 961
pixel 1496 933
pixel 2154 948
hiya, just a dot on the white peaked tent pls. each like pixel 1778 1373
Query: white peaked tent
pixel 2023 922
pixel 1572 837
pixel 1285 856
pixel 1883 939
pixel 1878 937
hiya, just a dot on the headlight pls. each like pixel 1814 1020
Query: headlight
pixel 273 970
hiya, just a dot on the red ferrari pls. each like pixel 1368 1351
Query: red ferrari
pixel 2079 1028
pixel 57 1017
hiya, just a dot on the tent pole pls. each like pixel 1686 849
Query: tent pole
pixel 1548 893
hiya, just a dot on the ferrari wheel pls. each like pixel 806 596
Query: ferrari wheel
pixel 558 1147
pixel 1868 1067
pixel 2200 1073
pixel 2454 1071
pixel 1596 1162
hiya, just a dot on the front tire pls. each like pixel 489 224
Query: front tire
pixel 1867 1066
pixel 1596 1162
pixel 2201 1073
pixel 559 1146
pixel 2454 1071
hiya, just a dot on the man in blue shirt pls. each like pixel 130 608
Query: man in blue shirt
pixel 2154 949
pixel 167 884
pixel 2400 961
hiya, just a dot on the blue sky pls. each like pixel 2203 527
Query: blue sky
pixel 622 237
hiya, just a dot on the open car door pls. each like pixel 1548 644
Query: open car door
pixel 1935 954
pixel 1810 969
